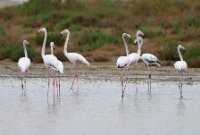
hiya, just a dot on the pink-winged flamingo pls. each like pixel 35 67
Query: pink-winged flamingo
pixel 59 68
pixel 49 60
pixel 180 66
pixel 74 58
pixel 124 61
pixel 24 63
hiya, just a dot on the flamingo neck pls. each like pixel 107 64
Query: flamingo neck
pixel 125 44
pixel 66 43
pixel 44 43
pixel 180 56
pixel 25 51
pixel 139 45
pixel 51 50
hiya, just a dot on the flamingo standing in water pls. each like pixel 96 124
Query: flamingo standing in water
pixel 24 63
pixel 59 67
pixel 180 66
pixel 147 58
pixel 74 58
pixel 124 61
pixel 49 60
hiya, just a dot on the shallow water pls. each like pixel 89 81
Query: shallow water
pixel 95 107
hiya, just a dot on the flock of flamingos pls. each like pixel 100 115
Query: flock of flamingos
pixel 55 67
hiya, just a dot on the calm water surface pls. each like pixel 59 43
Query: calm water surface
pixel 95 107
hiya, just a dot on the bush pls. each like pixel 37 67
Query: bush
pixel 51 37
pixel 16 51
pixel 92 40
pixel 2 31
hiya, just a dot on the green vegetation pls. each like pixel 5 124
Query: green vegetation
pixel 92 40
pixel 16 51
pixel 100 23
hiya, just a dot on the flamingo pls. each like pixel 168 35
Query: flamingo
pixel 147 58
pixel 59 68
pixel 74 58
pixel 49 60
pixel 124 61
pixel 24 63
pixel 180 66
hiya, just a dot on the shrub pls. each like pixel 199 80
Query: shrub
pixel 92 40
pixel 15 51
pixel 52 37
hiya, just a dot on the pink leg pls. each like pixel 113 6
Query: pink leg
pixel 75 75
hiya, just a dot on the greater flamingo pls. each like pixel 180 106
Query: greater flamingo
pixel 180 66
pixel 74 58
pixel 124 61
pixel 147 58
pixel 24 63
pixel 59 67
pixel 49 60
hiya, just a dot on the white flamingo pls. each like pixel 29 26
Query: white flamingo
pixel 24 63
pixel 59 68
pixel 147 58
pixel 180 66
pixel 49 60
pixel 74 58
pixel 124 61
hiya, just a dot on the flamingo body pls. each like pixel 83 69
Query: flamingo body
pixel 123 61
pixel 134 57
pixel 50 61
pixel 180 66
pixel 150 59
pixel 76 58
pixel 24 63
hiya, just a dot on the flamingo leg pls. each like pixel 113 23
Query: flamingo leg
pixel 22 83
pixel 59 84
pixel 75 75
pixel 122 83
pixel 149 83
pixel 48 77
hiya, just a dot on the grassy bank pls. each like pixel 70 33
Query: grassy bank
pixel 96 27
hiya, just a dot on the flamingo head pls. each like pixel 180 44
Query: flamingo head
pixel 64 32
pixel 182 48
pixel 138 41
pixel 41 30
pixel 139 33
pixel 53 45
pixel 25 42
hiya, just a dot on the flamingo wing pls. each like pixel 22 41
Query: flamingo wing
pixel 180 66
pixel 150 59
pixel 134 57
pixel 77 58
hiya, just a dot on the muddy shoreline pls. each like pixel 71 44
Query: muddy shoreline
pixel 102 70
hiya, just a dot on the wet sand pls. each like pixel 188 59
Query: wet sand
pixel 104 70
